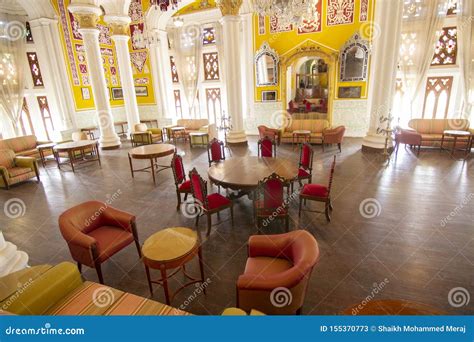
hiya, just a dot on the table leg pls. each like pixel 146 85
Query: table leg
pixel 56 156
pixel 131 165
pixel 165 285
pixel 42 157
pixel 153 170
pixel 71 160
pixel 150 285
pixel 98 155
pixel 454 145
pixel 201 268
pixel 442 142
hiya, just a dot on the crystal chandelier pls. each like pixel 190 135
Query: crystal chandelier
pixel 288 12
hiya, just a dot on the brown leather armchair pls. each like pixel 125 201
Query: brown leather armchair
pixel 272 133
pixel 94 232
pixel 277 273
pixel 334 136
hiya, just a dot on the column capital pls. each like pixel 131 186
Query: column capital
pixel 229 7
pixel 119 24
pixel 86 15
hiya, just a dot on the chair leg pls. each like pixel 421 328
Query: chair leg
pixel 79 267
pixel 99 272
pixel 339 145
pixel 418 152
pixel 179 200
pixel 299 207
pixel 232 214
pixel 197 220
pixel 287 223
pixel 209 224
pixel 137 244
pixel 326 212
pixel 186 196
pixel 330 205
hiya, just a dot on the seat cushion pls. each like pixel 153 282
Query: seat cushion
pixel 185 186
pixel 315 190
pixel 110 240
pixel 267 266
pixel 302 173
pixel 18 171
pixel 217 200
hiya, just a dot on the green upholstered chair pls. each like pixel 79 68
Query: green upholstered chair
pixel 142 135
pixel 14 170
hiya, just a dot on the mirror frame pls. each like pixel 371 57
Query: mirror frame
pixel 265 49
pixel 355 40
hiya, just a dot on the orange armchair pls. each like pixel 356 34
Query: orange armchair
pixel 272 133
pixel 334 136
pixel 94 232
pixel 277 273
pixel 407 137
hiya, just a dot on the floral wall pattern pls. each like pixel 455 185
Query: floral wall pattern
pixel 340 12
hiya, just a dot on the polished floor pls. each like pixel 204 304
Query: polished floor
pixel 405 226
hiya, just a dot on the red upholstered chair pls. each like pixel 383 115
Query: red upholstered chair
pixel 278 271
pixel 208 204
pixel 305 170
pixel 183 186
pixel 319 193
pixel 292 108
pixel 94 232
pixel 266 147
pixel 273 133
pixel 407 137
pixel 269 202
pixel 334 136
pixel 215 151
pixel 307 106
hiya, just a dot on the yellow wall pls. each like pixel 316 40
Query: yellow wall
pixel 73 60
pixel 330 37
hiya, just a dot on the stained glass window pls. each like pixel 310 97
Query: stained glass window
pixel 35 69
pixel 174 70
pixel 46 116
pixel 29 36
pixel 209 36
pixel 211 66
pixel 452 7
pixel 446 48
pixel 177 103
pixel 437 96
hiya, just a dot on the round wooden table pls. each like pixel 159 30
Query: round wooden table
pixel 152 153
pixel 301 133
pixel 42 152
pixel 178 132
pixel 456 134
pixel 392 307
pixel 244 173
pixel 172 248
pixel 88 152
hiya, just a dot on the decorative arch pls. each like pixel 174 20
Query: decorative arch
pixel 310 49
pixel 156 19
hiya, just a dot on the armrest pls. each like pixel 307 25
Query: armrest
pixel 118 217
pixel 287 279
pixel 25 162
pixel 4 173
pixel 330 131
pixel 155 130
pixel 43 142
pixel 79 239
pixel 141 133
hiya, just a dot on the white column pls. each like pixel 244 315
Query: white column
pixel 11 259
pixel 45 32
pixel 233 77
pixel 108 137
pixel 126 77
pixel 388 22
pixel 161 71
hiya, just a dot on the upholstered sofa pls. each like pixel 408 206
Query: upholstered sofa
pixel 195 125
pixel 316 126
pixel 25 146
pixel 59 290
pixel 16 169
pixel 431 130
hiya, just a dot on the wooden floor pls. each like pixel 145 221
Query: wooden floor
pixel 411 247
